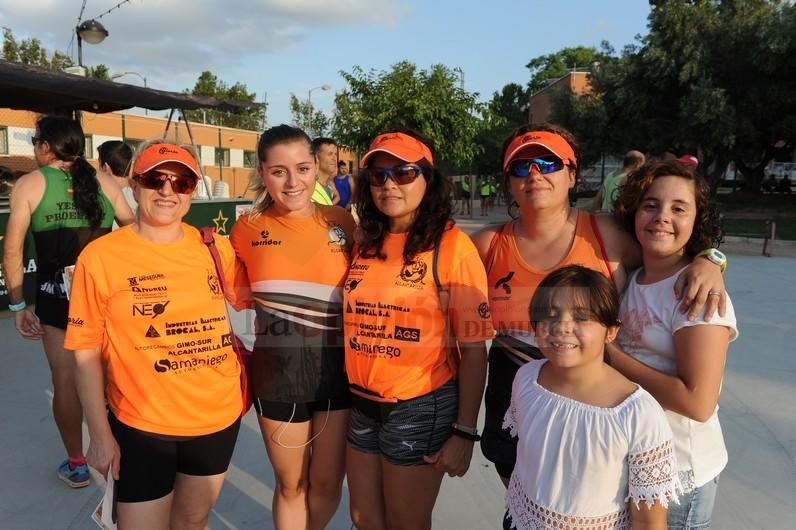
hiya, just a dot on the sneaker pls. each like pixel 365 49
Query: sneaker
pixel 76 478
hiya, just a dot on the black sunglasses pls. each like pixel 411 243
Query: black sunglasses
pixel 155 180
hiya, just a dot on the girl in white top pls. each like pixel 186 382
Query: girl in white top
pixel 677 360
pixel 594 450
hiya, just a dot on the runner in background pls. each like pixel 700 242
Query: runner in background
pixel 65 204
pixel 540 164
pixel 415 397
pixel 345 185
pixel 484 191
pixel 466 194
pixel 148 323
pixel 609 189
pixel 296 254
pixel 325 152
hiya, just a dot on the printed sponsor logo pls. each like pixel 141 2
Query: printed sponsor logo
pixel 136 280
pixel 504 283
pixel 407 334
pixel 414 271
pixel 358 267
pixel 226 339
pixel 158 290
pixel 192 347
pixel 152 333
pixel 133 281
pixel 266 240
pixel 75 321
pixel 351 284
pixel 150 309
pixel 213 283
pixel 374 350
pixel 166 365
pixel 483 311
pixel 337 236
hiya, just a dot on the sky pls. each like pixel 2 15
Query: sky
pixel 279 47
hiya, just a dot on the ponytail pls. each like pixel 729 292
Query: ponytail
pixel 86 191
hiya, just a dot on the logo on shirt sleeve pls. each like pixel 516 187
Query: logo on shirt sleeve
pixel 483 311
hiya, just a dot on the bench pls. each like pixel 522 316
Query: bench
pixel 768 233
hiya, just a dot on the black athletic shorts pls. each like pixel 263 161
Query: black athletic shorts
pixel 299 412
pixel 150 462
pixel 51 309
pixel 497 444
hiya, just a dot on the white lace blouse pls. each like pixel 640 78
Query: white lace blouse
pixel 578 465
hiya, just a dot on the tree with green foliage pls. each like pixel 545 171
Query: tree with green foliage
pixel 429 101
pixel 507 110
pixel 30 51
pixel 313 121
pixel 208 84
pixel 547 68
pixel 711 78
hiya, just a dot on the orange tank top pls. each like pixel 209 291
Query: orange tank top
pixel 512 282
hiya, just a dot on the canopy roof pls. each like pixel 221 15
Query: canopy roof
pixel 25 87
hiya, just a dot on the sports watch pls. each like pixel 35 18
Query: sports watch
pixel 715 256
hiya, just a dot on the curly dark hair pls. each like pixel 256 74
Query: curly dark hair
pixel 531 127
pixel 433 215
pixel 67 142
pixel 707 225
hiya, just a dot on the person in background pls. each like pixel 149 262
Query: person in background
pixel 668 209
pixel 65 204
pixel 148 323
pixel 484 191
pixel 540 164
pixel 609 189
pixel 296 254
pixel 593 447
pixel 7 181
pixel 466 194
pixel 115 157
pixel 325 152
pixel 345 185
pixel 415 394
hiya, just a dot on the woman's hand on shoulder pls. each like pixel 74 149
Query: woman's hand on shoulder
pixel 701 285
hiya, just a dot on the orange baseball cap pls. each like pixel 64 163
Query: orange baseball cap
pixel 551 141
pixel 157 154
pixel 400 145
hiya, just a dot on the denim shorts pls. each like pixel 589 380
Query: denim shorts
pixel 695 509
pixel 406 431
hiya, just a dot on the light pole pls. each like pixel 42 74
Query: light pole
pixel 121 74
pixel 309 104
pixel 90 31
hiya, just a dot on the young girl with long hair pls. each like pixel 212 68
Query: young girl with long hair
pixel 668 209
pixel 296 254
pixel 594 449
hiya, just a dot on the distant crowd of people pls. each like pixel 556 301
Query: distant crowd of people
pixel 597 342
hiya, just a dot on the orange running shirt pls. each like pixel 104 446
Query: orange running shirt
pixel 157 313
pixel 396 338
pixel 512 282
pixel 296 269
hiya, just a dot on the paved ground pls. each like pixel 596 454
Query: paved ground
pixel 757 490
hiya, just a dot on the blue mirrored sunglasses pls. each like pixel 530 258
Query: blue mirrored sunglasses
pixel 543 164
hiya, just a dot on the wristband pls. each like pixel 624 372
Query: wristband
pixel 16 308
pixel 457 431
pixel 715 256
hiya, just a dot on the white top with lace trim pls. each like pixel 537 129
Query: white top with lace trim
pixel 578 464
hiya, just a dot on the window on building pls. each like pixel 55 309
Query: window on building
pixel 249 159
pixel 88 150
pixel 222 156
pixel 3 140
pixel 133 143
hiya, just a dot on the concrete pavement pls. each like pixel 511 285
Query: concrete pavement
pixel 757 490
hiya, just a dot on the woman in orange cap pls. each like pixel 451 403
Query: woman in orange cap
pixel 416 289
pixel 148 323
pixel 540 167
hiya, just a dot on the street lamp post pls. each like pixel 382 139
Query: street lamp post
pixel 122 74
pixel 309 104
pixel 90 31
